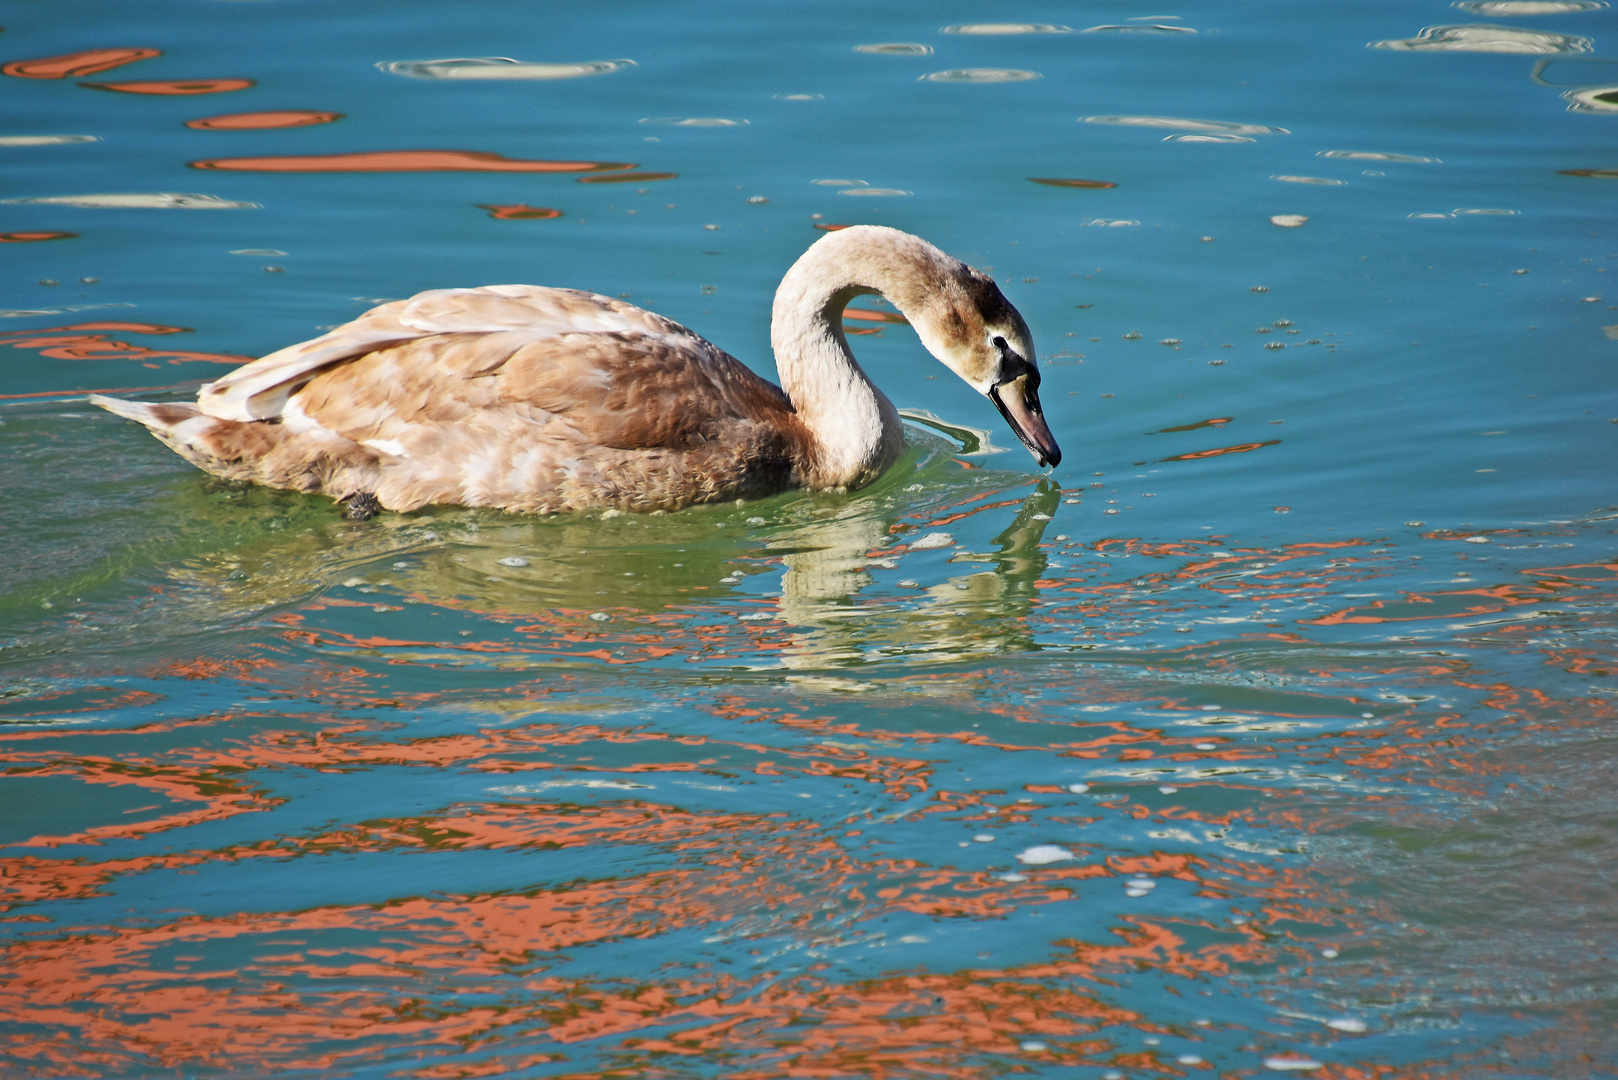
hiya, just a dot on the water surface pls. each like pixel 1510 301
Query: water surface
pixel 1269 733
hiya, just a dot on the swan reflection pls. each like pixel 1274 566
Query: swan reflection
pixel 977 610
pixel 818 582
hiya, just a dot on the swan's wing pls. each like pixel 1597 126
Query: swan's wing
pixel 638 391
pixel 624 389
pixel 260 390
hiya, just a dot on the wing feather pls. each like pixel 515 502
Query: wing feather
pixel 260 390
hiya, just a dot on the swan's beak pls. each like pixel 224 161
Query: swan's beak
pixel 1018 401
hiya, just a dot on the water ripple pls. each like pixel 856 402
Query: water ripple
pixel 45 140
pixel 1226 127
pixel 1505 9
pixel 896 48
pixel 982 75
pixel 987 29
pixel 1596 99
pixel 1488 39
pixel 1371 155
pixel 155 200
pixel 1143 28
pixel 693 121
pixel 498 67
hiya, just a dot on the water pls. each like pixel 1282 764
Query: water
pixel 1270 732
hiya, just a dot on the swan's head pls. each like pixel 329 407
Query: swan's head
pixel 958 312
pixel 974 331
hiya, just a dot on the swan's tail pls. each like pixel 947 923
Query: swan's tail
pixel 228 448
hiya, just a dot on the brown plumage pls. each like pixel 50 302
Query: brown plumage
pixel 542 400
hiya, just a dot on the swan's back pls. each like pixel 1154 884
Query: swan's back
pixel 513 396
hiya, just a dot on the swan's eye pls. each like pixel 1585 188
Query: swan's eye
pixel 1000 343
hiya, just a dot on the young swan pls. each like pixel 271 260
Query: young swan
pixel 542 400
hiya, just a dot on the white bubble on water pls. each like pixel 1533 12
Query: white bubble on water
pixel 513 560
pixel 1041 854
pixel 932 540
pixel 1078 789
pixel 1034 1046
pixel 1346 1023
pixel 1291 1063
pixel 984 838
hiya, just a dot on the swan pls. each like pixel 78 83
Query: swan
pixel 545 400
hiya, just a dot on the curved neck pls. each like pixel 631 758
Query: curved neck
pixel 856 430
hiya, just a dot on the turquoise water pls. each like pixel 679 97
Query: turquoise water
pixel 1270 732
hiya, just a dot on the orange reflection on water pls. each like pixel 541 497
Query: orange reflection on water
pixel 1217 421
pixel 334 985
pixel 174 86
pixel 872 315
pixel 1240 448
pixel 70 65
pixel 628 177
pixel 519 211
pixel 75 343
pixel 403 161
pixel 252 121
pixel 1056 181
pixel 25 236
pixel 1548 583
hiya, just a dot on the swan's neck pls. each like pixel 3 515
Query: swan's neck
pixel 855 429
